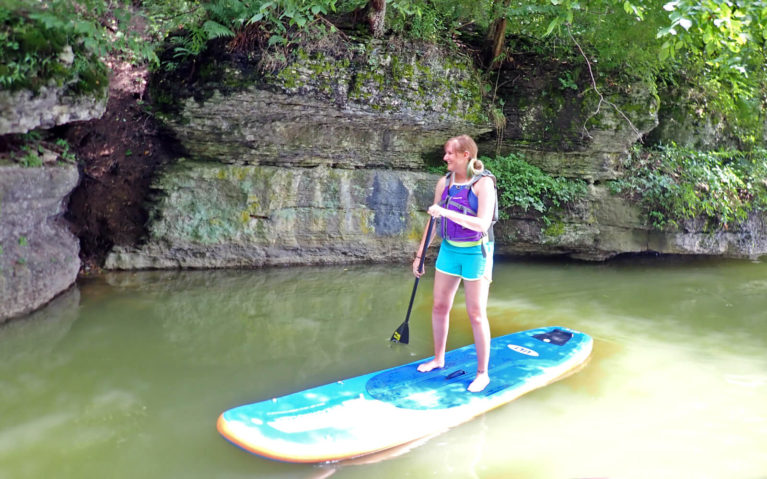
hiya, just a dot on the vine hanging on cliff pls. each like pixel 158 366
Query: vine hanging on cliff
pixel 594 87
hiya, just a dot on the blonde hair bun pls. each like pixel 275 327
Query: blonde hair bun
pixel 475 167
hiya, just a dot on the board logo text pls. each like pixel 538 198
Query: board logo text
pixel 520 349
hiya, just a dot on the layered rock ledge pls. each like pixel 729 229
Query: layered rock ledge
pixel 24 110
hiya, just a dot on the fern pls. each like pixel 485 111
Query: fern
pixel 216 30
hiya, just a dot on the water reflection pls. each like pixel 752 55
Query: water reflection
pixel 124 375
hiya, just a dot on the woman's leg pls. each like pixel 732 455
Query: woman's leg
pixel 476 306
pixel 445 287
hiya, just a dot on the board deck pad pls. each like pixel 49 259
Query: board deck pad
pixel 385 409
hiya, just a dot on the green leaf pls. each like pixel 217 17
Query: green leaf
pixel 664 52
pixel 277 40
pixel 299 20
pixel 554 24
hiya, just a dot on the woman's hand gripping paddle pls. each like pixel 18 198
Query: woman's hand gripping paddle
pixel 402 334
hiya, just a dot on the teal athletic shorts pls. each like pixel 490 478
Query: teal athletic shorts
pixel 466 262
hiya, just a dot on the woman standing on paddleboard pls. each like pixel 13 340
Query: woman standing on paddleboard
pixel 465 204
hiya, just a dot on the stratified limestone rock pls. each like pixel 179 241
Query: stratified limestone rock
pixel 378 106
pixel 211 216
pixel 602 226
pixel 571 132
pixel 39 256
pixel 259 127
pixel 309 165
pixel 22 111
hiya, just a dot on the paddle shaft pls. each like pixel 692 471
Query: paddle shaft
pixel 420 267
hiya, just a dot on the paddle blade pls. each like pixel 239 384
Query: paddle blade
pixel 402 334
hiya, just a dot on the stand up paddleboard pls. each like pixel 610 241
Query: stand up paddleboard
pixel 385 409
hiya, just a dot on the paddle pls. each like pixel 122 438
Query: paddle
pixel 402 334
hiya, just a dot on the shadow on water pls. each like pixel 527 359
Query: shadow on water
pixel 124 375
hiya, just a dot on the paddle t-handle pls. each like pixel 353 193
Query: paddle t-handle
pixel 402 334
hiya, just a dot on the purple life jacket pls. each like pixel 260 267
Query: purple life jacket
pixel 459 198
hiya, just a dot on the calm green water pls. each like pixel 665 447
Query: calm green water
pixel 124 376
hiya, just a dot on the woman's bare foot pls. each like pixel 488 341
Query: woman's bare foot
pixel 479 383
pixel 429 365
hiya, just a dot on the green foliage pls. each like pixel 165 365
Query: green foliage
pixel 673 184
pixel 567 81
pixel 30 159
pixel 282 14
pixel 56 41
pixel 715 45
pixel 420 20
pixel 721 47
pixel 30 148
pixel 65 153
pixel 267 23
pixel 522 185
pixel 729 36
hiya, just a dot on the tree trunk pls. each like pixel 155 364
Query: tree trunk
pixel 376 17
pixel 497 40
pixel 496 37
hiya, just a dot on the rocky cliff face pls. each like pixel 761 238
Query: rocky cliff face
pixel 602 226
pixel 38 255
pixel 309 165
pixel 319 162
